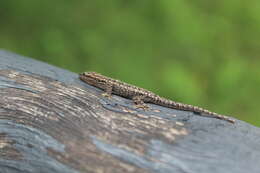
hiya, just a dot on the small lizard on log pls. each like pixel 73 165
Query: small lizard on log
pixel 141 96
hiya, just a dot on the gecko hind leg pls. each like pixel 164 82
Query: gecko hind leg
pixel 139 102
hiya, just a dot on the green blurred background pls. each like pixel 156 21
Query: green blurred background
pixel 201 52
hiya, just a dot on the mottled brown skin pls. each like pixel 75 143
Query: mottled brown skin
pixel 140 95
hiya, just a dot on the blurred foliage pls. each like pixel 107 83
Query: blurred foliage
pixel 199 52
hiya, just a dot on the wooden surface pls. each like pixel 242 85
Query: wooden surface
pixel 52 122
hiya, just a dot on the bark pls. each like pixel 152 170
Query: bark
pixel 50 121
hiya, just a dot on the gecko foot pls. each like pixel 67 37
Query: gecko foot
pixel 142 106
pixel 106 95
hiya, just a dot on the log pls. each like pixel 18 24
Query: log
pixel 50 121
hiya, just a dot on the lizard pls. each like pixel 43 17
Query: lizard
pixel 141 96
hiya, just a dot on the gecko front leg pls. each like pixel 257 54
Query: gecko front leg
pixel 139 102
pixel 108 91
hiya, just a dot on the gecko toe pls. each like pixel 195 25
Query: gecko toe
pixel 106 95
pixel 142 106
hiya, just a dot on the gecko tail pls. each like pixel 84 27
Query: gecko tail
pixel 208 113
pixel 186 107
pixel 200 111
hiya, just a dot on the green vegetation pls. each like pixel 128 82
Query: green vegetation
pixel 204 53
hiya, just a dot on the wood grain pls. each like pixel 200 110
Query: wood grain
pixel 52 122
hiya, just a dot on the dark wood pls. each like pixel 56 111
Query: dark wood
pixel 50 121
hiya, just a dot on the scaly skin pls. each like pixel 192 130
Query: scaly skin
pixel 140 95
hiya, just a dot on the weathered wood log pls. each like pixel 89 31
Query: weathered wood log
pixel 50 121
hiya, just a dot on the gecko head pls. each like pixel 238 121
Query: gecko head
pixel 94 79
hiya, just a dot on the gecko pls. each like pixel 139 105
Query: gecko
pixel 141 96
